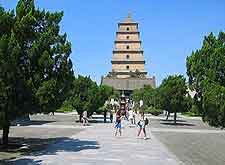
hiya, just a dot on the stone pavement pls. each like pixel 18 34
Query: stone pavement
pixel 98 145
pixel 191 140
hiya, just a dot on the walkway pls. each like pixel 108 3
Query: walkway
pixel 97 145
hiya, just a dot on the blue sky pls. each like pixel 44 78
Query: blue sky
pixel 170 30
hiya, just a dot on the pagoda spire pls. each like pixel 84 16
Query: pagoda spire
pixel 128 18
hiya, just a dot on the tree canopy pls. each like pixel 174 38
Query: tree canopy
pixel 172 93
pixel 147 94
pixel 84 96
pixel 35 69
pixel 206 72
pixel 87 96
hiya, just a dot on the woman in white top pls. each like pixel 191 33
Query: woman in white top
pixel 141 125
pixel 85 118
pixel 131 116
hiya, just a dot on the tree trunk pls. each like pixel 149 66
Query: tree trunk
pixel 80 117
pixel 175 117
pixel 105 116
pixel 223 119
pixel 168 115
pixel 5 134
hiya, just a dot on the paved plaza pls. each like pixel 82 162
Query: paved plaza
pixel 191 142
pixel 97 145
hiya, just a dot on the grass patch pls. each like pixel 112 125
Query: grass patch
pixel 190 114
pixel 65 109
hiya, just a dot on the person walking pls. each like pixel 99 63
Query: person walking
pixel 111 116
pixel 134 117
pixel 118 124
pixel 131 116
pixel 126 115
pixel 142 124
pixel 84 118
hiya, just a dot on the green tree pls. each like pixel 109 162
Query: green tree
pixel 35 69
pixel 147 94
pixel 214 104
pixel 88 96
pixel 173 92
pixel 106 93
pixel 206 63
pixel 207 66
pixel 137 95
pixel 85 95
pixel 107 107
pixel 189 105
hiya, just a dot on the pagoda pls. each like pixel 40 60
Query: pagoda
pixel 128 64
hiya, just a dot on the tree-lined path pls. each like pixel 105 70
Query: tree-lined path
pixel 97 145
pixel 60 140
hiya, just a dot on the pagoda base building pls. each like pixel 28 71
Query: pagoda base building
pixel 128 64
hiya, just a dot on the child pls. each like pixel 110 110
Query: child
pixel 118 125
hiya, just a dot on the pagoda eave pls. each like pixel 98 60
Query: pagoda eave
pixel 128 51
pixel 127 23
pixel 126 32
pixel 128 83
pixel 120 41
pixel 127 62
pixel 128 73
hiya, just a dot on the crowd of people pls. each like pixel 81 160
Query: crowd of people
pixel 131 116
pixel 124 114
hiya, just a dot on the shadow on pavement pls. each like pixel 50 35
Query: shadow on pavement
pixel 97 119
pixel 27 145
pixel 35 122
pixel 57 145
pixel 178 124
pixel 171 120
pixel 24 161
pixel 69 145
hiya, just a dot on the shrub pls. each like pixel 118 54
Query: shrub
pixel 101 110
pixel 153 111
pixel 190 114
pixel 194 110
pixel 67 108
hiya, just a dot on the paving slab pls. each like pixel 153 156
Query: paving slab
pixel 98 145
pixel 194 148
pixel 192 141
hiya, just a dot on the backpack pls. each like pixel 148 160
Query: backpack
pixel 146 121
